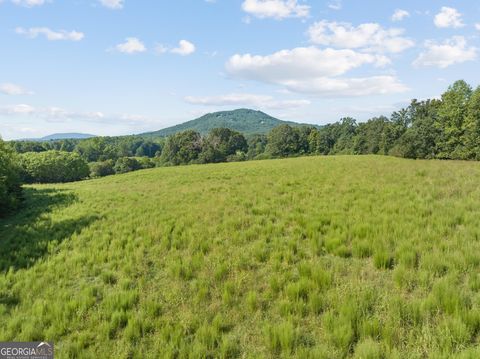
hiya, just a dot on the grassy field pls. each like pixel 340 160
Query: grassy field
pixel 320 257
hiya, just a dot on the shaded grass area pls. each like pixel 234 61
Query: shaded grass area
pixel 28 236
pixel 337 257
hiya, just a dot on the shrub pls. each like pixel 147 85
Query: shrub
pixel 101 169
pixel 145 162
pixel 10 180
pixel 126 164
pixel 53 166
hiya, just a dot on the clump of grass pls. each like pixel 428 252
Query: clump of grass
pixel 281 338
pixel 229 347
pixel 362 249
pixel 118 321
pixel 252 301
pixel 134 330
pixel 299 291
pixel 383 260
pixel 109 277
pixel 407 256
pixel 368 349
pixel 228 293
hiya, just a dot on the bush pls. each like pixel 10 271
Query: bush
pixel 127 164
pixel 145 162
pixel 10 180
pixel 101 169
pixel 53 166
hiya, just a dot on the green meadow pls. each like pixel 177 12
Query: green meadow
pixel 315 257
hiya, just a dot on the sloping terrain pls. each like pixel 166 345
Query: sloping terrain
pixel 320 257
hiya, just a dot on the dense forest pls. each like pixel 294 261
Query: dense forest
pixel 445 128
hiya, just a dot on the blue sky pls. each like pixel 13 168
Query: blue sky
pixel 115 67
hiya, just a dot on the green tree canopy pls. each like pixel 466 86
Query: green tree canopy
pixel 10 181
pixel 182 148
pixel 283 141
pixel 222 143
pixel 53 166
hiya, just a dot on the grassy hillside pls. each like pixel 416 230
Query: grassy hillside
pixel 243 120
pixel 366 257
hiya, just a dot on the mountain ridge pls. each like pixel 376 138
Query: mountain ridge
pixel 60 136
pixel 243 120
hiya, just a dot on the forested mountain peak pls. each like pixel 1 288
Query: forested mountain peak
pixel 243 120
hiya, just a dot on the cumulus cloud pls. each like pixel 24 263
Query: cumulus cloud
pixel 49 34
pixel 477 26
pixel 245 99
pixel 13 90
pixel 315 71
pixel 448 17
pixel 112 4
pixel 276 9
pixel 29 3
pixel 303 62
pixel 400 14
pixel 452 51
pixel 369 37
pixel 184 48
pixel 131 45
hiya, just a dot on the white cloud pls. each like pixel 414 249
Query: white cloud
pixel 184 48
pixel 400 14
pixel 338 87
pixel 112 4
pixel 49 34
pixel 369 37
pixel 277 9
pixel 59 115
pixel 335 5
pixel 21 109
pixel 131 45
pixel 304 62
pixel 315 71
pixel 452 51
pixel 477 26
pixel 245 99
pixel 12 89
pixel 29 3
pixel 448 17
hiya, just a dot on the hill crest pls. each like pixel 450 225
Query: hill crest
pixel 243 120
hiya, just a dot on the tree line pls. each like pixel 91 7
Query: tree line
pixel 444 128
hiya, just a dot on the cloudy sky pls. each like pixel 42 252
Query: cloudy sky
pixel 113 67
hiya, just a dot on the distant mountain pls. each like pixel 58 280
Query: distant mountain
pixel 243 120
pixel 61 136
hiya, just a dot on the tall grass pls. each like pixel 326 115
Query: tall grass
pixel 337 257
